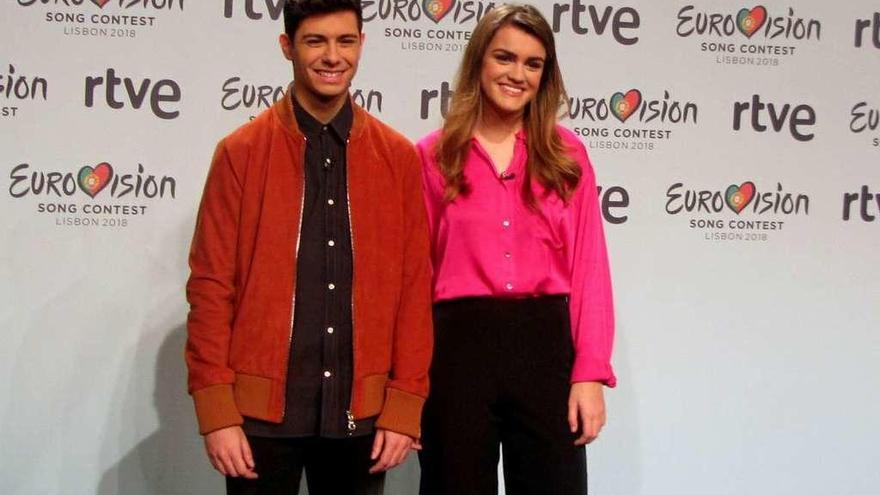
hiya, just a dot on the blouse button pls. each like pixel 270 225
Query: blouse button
pixel 506 223
pixel 508 286
pixel 507 254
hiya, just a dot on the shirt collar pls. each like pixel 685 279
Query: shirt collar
pixel 340 125
pixel 518 161
pixel 520 135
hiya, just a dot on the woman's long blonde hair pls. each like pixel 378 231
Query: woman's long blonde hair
pixel 548 159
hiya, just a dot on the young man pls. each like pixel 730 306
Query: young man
pixel 310 314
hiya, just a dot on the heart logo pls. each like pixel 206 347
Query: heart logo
pixel 94 180
pixel 738 197
pixel 100 3
pixel 437 9
pixel 750 21
pixel 624 105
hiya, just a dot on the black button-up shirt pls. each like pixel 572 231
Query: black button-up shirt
pixel 319 374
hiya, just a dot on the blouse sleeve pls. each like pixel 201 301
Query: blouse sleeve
pixel 432 183
pixel 591 304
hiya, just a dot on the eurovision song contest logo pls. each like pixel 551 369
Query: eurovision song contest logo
pixel 113 199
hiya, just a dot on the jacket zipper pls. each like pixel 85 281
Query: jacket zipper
pixel 351 425
pixel 302 205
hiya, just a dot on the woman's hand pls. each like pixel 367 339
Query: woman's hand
pixel 586 408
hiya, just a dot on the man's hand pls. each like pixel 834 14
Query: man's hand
pixel 586 405
pixel 389 450
pixel 229 452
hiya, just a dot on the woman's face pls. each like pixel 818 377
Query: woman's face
pixel 512 69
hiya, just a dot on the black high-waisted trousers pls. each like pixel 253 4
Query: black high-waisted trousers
pixel 501 376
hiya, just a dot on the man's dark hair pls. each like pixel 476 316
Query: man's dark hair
pixel 297 10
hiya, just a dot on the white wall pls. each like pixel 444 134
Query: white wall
pixel 745 366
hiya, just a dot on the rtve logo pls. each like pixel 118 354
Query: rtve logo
pixel 584 18
pixel 866 200
pixel 873 28
pixel 273 8
pixel 763 116
pixel 121 92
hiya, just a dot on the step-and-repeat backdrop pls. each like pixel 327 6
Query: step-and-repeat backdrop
pixel 738 155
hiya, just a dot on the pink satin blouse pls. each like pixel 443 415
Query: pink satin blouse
pixel 489 243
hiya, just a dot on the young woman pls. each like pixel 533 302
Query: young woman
pixel 523 314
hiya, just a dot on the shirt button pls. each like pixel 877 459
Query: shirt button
pixel 327 374
pixel 331 202
pixel 506 223
pixel 329 329
pixel 331 286
pixel 507 254
pixel 331 243
pixel 508 286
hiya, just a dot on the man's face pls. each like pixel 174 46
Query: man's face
pixel 325 52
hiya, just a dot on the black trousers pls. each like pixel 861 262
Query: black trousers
pixel 501 376
pixel 332 467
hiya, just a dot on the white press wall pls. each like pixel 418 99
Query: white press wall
pixel 748 348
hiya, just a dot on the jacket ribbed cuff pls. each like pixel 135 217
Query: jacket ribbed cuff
pixel 215 408
pixel 401 413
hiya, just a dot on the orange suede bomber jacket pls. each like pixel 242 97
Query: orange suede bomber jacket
pixel 243 274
